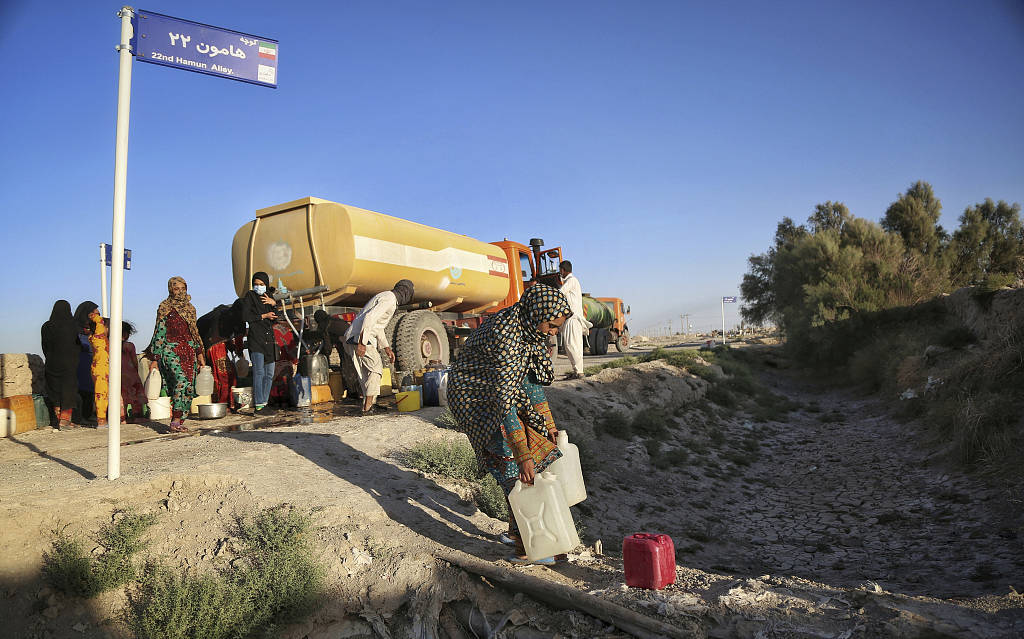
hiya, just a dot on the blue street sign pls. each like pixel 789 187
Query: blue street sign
pixel 110 257
pixel 728 300
pixel 193 46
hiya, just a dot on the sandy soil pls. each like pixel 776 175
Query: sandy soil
pixel 837 523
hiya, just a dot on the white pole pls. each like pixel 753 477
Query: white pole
pixel 103 280
pixel 724 340
pixel 124 94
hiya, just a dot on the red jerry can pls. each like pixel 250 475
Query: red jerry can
pixel 649 560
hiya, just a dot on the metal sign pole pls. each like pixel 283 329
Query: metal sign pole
pixel 103 280
pixel 124 93
pixel 724 340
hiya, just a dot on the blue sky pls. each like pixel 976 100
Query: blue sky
pixel 659 143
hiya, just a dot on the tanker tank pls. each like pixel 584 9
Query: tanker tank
pixel 597 313
pixel 356 253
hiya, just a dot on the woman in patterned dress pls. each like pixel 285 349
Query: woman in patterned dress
pixel 494 392
pixel 176 348
pixel 100 341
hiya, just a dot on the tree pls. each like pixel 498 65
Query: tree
pixel 830 215
pixel 915 218
pixel 990 241
pixel 758 285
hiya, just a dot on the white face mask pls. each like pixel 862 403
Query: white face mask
pixel 260 289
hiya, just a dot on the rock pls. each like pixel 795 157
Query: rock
pixel 21 374
pixel 598 548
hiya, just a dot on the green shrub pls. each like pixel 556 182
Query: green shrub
pixel 671 459
pixel 650 423
pixel 447 457
pixel 276 583
pixel 615 424
pixel 69 569
pixel 957 337
pixel 447 420
pixel 490 498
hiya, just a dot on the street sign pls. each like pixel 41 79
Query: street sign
pixel 198 47
pixel 110 257
pixel 729 300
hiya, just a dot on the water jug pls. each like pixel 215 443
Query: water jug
pixel 160 408
pixel 442 392
pixel 204 381
pixel 649 560
pixel 8 422
pixel 319 370
pixel 432 385
pixel 301 390
pixel 153 384
pixel 543 517
pixel 568 470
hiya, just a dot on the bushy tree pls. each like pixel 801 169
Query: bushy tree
pixel 990 241
pixel 915 218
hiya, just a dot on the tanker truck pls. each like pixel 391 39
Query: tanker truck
pixel 608 316
pixel 324 254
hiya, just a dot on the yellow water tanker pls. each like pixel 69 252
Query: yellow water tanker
pixel 356 254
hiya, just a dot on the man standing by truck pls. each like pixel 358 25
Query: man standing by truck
pixel 366 334
pixel 576 326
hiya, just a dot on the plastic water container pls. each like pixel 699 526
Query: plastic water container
pixel 23 410
pixel 649 560
pixel 545 523
pixel 302 390
pixel 242 396
pixel 432 381
pixel 43 414
pixel 8 422
pixel 568 470
pixel 442 392
pixel 199 400
pixel 153 385
pixel 408 400
pixel 204 381
pixel 319 370
pixel 160 408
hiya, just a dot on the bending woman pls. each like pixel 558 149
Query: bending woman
pixel 175 348
pixel 493 392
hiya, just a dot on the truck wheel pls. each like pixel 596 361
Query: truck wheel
pixel 421 337
pixel 599 342
pixel 622 344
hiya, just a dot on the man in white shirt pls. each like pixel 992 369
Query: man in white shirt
pixel 577 325
pixel 366 334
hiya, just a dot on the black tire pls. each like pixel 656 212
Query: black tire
pixel 622 343
pixel 421 337
pixel 599 341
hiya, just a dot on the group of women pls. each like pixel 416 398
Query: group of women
pixel 73 342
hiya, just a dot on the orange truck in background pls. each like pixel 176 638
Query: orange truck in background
pixel 619 330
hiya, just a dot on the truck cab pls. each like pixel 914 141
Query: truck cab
pixel 527 266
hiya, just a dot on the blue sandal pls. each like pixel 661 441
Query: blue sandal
pixel 522 561
pixel 507 539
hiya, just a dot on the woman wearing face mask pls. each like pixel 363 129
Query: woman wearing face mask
pixel 258 313
pixel 176 348
pixel 494 393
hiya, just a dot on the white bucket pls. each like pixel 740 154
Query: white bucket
pixel 160 408
pixel 8 423
pixel 242 396
pixel 543 517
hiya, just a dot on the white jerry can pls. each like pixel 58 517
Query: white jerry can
pixel 153 384
pixel 8 423
pixel 543 517
pixel 568 470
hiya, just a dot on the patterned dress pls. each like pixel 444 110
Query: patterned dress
pixel 493 401
pixel 176 351
pixel 132 392
pixel 100 368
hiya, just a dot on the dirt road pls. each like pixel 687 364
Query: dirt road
pixel 830 522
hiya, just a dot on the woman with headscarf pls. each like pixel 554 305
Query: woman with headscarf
pixel 495 395
pixel 175 348
pixel 258 312
pixel 133 394
pixel 59 337
pixel 100 369
pixel 84 372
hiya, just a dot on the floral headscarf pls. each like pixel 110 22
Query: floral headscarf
pixel 182 303
pixel 486 380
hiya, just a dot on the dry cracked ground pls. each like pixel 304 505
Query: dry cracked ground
pixel 829 519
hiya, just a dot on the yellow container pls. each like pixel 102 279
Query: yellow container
pixel 408 401
pixel 386 386
pixel 357 253
pixel 321 394
pixel 201 399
